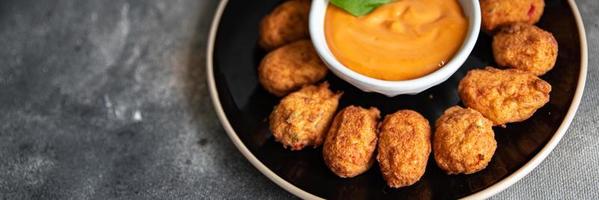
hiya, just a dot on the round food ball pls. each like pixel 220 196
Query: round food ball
pixel 525 47
pixel 503 96
pixel 301 119
pixel 496 13
pixel 464 141
pixel 288 22
pixel 349 146
pixel 404 147
pixel 290 67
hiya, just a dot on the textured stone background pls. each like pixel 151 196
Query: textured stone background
pixel 108 100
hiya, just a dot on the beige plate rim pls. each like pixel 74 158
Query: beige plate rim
pixel 485 193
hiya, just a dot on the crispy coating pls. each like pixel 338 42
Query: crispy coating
pixel 349 146
pixel 496 13
pixel 288 22
pixel 503 96
pixel 525 47
pixel 464 141
pixel 301 119
pixel 404 147
pixel 290 67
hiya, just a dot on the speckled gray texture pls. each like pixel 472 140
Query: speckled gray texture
pixel 108 100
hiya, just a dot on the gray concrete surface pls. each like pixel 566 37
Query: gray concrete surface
pixel 108 100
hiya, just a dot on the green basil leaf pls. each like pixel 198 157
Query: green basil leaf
pixel 359 7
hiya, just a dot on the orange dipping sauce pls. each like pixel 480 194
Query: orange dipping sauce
pixel 401 40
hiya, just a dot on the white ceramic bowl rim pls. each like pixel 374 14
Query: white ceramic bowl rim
pixel 483 194
pixel 436 77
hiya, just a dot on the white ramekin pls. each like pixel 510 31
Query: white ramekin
pixel 471 9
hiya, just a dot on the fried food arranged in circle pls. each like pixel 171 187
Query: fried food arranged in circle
pixel 288 22
pixel 404 147
pixel 301 119
pixel 349 146
pixel 290 67
pixel 525 47
pixel 496 13
pixel 464 141
pixel 503 96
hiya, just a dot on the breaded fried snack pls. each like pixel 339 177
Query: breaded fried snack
pixel 525 47
pixel 404 147
pixel 503 96
pixel 496 13
pixel 349 146
pixel 302 118
pixel 464 141
pixel 287 23
pixel 290 67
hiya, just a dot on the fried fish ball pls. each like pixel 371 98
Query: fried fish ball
pixel 464 141
pixel 349 146
pixel 290 67
pixel 496 13
pixel 288 22
pixel 404 147
pixel 503 96
pixel 301 119
pixel 525 47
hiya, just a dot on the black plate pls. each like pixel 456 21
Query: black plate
pixel 246 107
